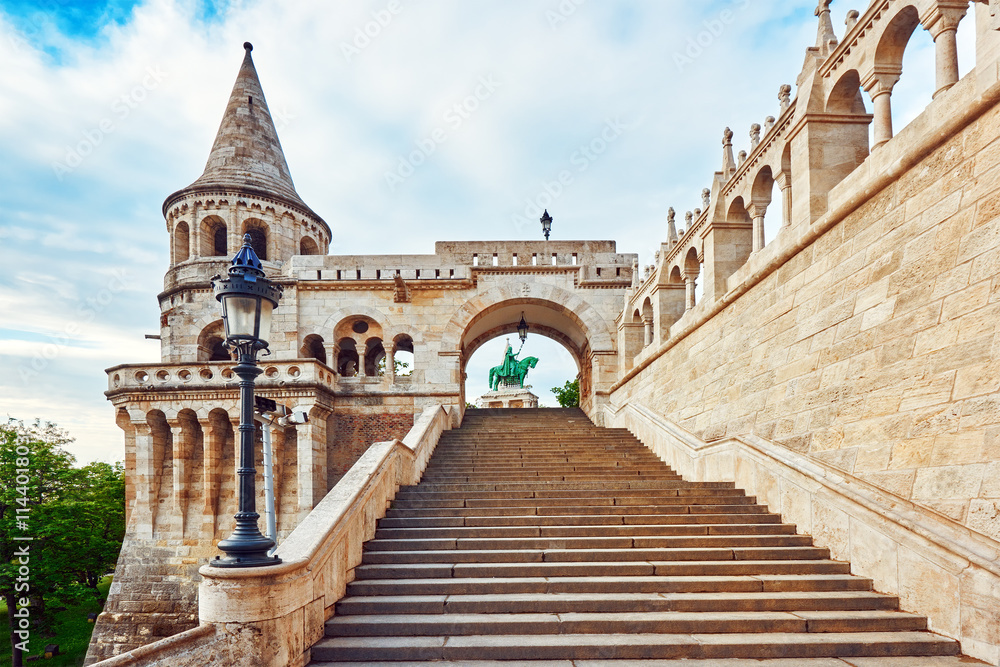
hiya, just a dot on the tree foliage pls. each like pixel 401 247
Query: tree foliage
pixel 569 394
pixel 74 517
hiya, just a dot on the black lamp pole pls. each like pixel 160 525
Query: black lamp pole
pixel 546 221
pixel 248 298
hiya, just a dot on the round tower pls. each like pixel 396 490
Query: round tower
pixel 246 188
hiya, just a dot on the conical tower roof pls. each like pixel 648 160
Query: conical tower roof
pixel 246 155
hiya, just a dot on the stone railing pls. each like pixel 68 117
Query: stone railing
pixel 271 616
pixel 215 375
pixel 936 566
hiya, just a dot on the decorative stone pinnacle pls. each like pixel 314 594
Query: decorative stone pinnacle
pixel 852 19
pixel 728 163
pixel 671 227
pixel 688 217
pixel 785 96
pixel 754 135
pixel 768 124
pixel 706 197
pixel 742 157
pixel 826 38
pixel 697 213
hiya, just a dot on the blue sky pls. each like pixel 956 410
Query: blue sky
pixel 108 107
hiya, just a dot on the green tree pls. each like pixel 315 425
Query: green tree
pixel 74 517
pixel 568 395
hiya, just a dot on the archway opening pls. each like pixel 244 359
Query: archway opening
pixel 557 336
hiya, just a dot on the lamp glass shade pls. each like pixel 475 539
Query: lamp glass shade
pixel 264 330
pixel 241 315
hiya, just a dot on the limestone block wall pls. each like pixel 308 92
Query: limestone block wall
pixel 870 340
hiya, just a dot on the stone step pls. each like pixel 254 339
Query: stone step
pixel 632 646
pixel 589 543
pixel 555 555
pixel 606 584
pixel 584 520
pixel 571 486
pixel 556 570
pixel 578 510
pixel 388 625
pixel 620 500
pixel 619 531
pixel 907 661
pixel 410 494
pixel 619 602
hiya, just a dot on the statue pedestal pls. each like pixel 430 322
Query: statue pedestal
pixel 514 397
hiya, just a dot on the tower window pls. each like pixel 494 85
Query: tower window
pixel 220 242
pixel 258 241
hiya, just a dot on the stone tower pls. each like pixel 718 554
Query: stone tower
pixel 246 188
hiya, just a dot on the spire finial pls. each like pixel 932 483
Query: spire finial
pixel 248 46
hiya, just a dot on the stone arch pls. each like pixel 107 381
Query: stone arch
pixel 214 237
pixel 210 343
pixel 191 458
pixel 572 309
pixel 675 275
pixel 307 246
pixel 260 236
pixel 845 97
pixel 692 267
pixel 335 321
pixel 162 455
pixel 894 38
pixel 312 348
pixel 737 211
pixel 182 242
pixel 374 354
pixel 402 344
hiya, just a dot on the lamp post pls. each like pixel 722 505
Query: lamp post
pixel 522 329
pixel 247 298
pixel 546 221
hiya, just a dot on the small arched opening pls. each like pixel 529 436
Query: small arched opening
pixel 211 343
pixel 347 358
pixel 307 246
pixel 259 237
pixel 182 241
pixel 214 237
pixel 312 348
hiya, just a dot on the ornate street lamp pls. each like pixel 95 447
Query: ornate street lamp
pixel 248 298
pixel 522 329
pixel 546 221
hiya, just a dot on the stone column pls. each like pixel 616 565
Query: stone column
pixel 179 493
pixel 784 183
pixel 757 212
pixel 689 286
pixel 362 353
pixel 943 25
pixel 311 445
pixel 390 362
pixel 879 86
pixel 214 436
pixel 194 234
pixel 145 479
pixel 647 323
pixel 331 356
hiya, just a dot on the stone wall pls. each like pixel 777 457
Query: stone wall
pixel 873 346
pixel 354 432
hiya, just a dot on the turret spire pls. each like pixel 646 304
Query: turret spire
pixel 247 154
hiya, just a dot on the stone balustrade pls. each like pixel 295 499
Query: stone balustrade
pixel 215 375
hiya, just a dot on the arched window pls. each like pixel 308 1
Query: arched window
pixel 220 242
pixel 308 247
pixel 258 241
pixel 181 242
pixel 312 348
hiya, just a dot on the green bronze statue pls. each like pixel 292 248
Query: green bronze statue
pixel 511 372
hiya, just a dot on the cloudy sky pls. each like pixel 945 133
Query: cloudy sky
pixel 108 106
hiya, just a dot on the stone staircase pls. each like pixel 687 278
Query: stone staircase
pixel 535 535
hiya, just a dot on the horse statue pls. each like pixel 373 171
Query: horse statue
pixel 518 371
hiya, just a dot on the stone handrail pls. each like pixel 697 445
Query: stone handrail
pixel 852 518
pixel 271 616
pixel 215 375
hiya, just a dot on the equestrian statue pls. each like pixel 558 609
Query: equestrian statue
pixel 511 372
